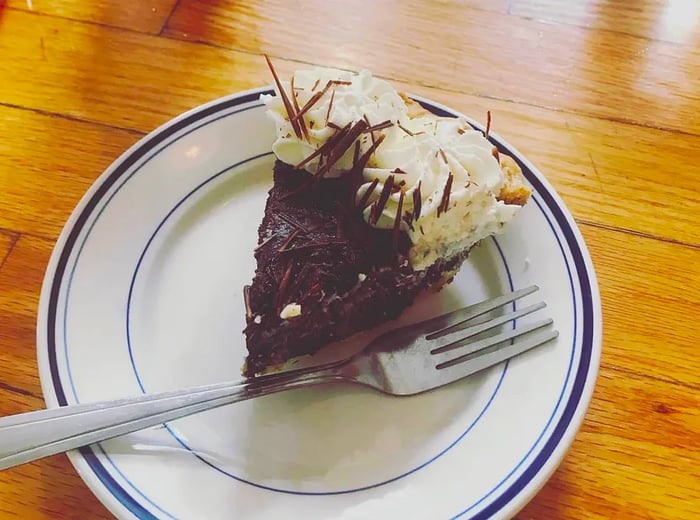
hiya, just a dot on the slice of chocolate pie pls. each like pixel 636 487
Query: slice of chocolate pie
pixel 374 201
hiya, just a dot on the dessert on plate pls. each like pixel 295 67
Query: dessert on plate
pixel 374 201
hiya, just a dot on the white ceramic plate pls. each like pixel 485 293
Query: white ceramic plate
pixel 143 293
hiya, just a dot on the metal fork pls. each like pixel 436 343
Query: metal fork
pixel 404 361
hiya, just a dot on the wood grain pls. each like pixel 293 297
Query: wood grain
pixel 589 160
pixel 33 174
pixel 629 456
pixel 20 284
pixel 143 81
pixel 602 73
pixel 7 241
pixel 145 15
pixel 49 489
pixel 672 20
pixel 602 96
pixel 643 333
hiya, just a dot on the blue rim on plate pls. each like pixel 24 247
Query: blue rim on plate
pixel 159 140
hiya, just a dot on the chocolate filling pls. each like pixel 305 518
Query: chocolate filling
pixel 313 245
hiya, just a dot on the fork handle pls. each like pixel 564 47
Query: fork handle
pixel 33 435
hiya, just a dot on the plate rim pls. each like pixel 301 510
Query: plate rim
pixel 532 485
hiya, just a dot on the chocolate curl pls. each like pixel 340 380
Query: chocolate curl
pixel 342 146
pixel 379 206
pixel 246 301
pixel 397 225
pixel 445 201
pixel 295 101
pixel 285 100
pixel 367 194
pixel 417 201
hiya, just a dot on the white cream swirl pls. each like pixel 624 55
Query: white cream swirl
pixel 365 97
pixel 419 152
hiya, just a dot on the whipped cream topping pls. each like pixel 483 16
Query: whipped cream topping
pixel 439 173
pixel 353 97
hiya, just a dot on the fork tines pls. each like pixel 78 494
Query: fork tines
pixel 456 330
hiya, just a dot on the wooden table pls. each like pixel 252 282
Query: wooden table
pixel 604 96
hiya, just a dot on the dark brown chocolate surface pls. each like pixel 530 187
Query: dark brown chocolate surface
pixel 312 245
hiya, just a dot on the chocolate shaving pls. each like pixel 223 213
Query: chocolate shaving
pixel 355 173
pixel 289 219
pixel 288 241
pixel 315 245
pixel 285 100
pixel 310 103
pixel 461 131
pixel 443 155
pixel 326 147
pixel 397 224
pixel 421 230
pixel 417 201
pixel 246 301
pixel 342 146
pixel 315 85
pixel 408 219
pixel 295 101
pixel 308 183
pixel 367 194
pixel 332 125
pixel 406 130
pixel 314 99
pixel 265 242
pixel 488 123
pixel 272 273
pixel 281 296
pixel 329 149
pixel 365 156
pixel 379 206
pixel 359 166
pixel 399 171
pixel 356 154
pixel 293 88
pixel 371 134
pixel 312 289
pixel 318 95
pixel 379 126
pixel 445 201
pixel 339 226
pixel 330 107
pixel 494 152
pixel 319 225
pixel 299 279
pixel 321 161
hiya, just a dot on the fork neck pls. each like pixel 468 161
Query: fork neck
pixel 272 383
